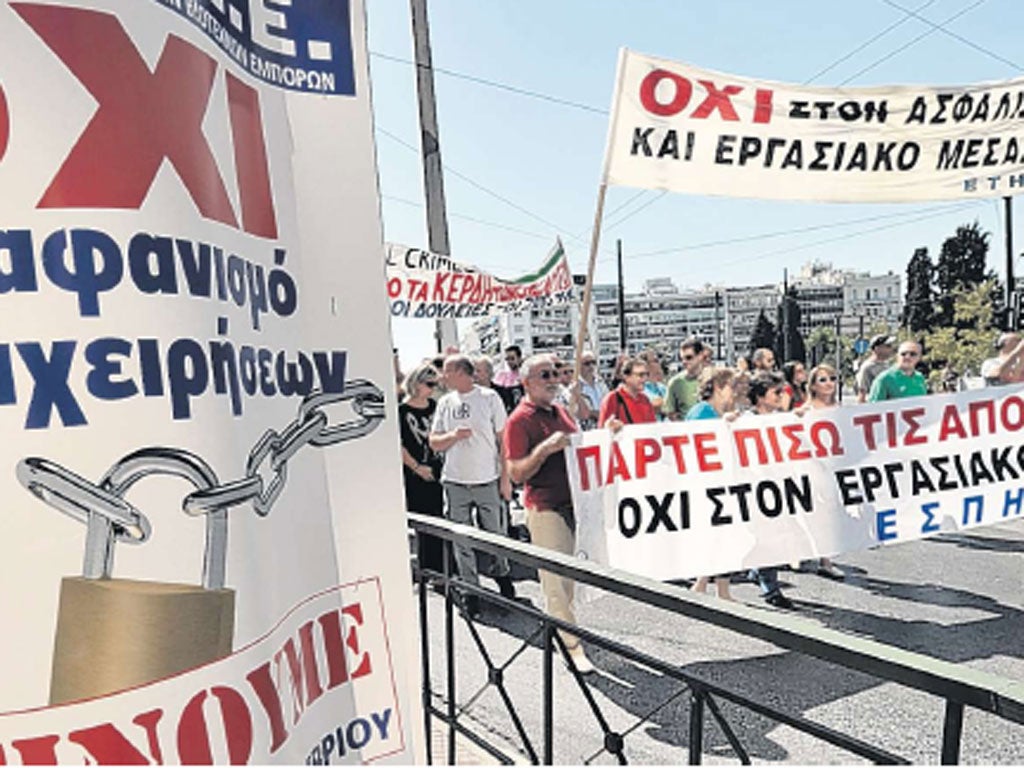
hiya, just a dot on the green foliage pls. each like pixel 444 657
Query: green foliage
pixel 821 342
pixel 961 265
pixel 918 309
pixel 967 340
pixel 763 335
pixel 790 347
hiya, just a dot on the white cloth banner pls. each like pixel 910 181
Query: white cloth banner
pixel 428 285
pixel 685 499
pixel 684 129
pixel 194 320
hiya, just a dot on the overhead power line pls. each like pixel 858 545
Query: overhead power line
pixel 954 35
pixel 865 44
pixel 910 215
pixel 495 84
pixel 927 33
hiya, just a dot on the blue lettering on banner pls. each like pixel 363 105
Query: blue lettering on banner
pixel 186 369
pixel 335 745
pixel 1013 501
pixel 156 264
pixel 885 523
pixel 929 525
pixel 978 503
pixel 300 45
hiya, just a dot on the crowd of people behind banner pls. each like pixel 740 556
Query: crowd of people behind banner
pixel 473 432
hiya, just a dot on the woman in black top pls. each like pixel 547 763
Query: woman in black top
pixel 421 465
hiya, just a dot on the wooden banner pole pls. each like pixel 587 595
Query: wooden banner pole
pixel 595 239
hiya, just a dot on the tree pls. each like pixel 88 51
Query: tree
pixel 967 341
pixel 918 310
pixel 763 334
pixel 790 347
pixel 961 265
pixel 822 343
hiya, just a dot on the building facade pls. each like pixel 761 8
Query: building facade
pixel 662 315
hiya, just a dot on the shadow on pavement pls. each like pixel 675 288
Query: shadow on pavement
pixel 813 683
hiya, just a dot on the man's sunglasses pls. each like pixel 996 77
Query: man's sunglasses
pixel 430 384
pixel 547 374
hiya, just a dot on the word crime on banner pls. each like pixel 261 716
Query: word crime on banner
pixel 428 285
pixel 684 129
pixel 684 499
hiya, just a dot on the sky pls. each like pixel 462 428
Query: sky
pixel 522 169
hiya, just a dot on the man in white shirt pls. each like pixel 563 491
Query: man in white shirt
pixel 1008 366
pixel 592 391
pixel 468 427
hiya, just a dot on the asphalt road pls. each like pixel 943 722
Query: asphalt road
pixel 959 598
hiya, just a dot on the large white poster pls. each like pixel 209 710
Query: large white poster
pixel 206 554
pixel 684 129
pixel 698 498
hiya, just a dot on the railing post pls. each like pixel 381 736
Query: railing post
pixel 424 648
pixel 549 696
pixel 696 725
pixel 449 647
pixel 952 729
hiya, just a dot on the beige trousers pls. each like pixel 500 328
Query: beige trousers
pixel 548 529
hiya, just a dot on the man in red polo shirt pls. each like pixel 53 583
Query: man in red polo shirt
pixel 536 435
pixel 627 403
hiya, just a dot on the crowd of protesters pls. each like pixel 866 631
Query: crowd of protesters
pixel 475 430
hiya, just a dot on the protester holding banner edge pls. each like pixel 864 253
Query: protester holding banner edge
pixel 767 392
pixel 1007 367
pixel 717 399
pixel 822 393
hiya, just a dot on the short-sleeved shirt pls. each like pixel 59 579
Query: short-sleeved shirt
pixel 595 394
pixel 528 426
pixel 987 372
pixel 626 408
pixel 476 460
pixel 680 395
pixel 702 410
pixel 893 384
pixel 868 372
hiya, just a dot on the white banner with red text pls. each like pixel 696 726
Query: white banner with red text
pixel 680 128
pixel 196 389
pixel 684 499
pixel 428 285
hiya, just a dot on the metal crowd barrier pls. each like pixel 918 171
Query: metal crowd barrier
pixel 957 685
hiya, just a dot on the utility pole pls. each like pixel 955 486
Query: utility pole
pixel 839 357
pixel 1011 321
pixel 622 300
pixel 785 316
pixel 718 327
pixel 447 333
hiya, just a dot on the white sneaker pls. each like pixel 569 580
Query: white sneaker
pixel 579 659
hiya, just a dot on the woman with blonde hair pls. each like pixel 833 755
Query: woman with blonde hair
pixel 421 465
pixel 822 393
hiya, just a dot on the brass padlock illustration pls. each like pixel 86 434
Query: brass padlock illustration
pixel 112 633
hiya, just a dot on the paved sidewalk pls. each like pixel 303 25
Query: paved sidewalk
pixel 466 752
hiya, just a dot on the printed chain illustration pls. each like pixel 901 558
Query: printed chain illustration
pixel 110 518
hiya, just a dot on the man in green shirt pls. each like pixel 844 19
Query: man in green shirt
pixel 902 379
pixel 681 390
